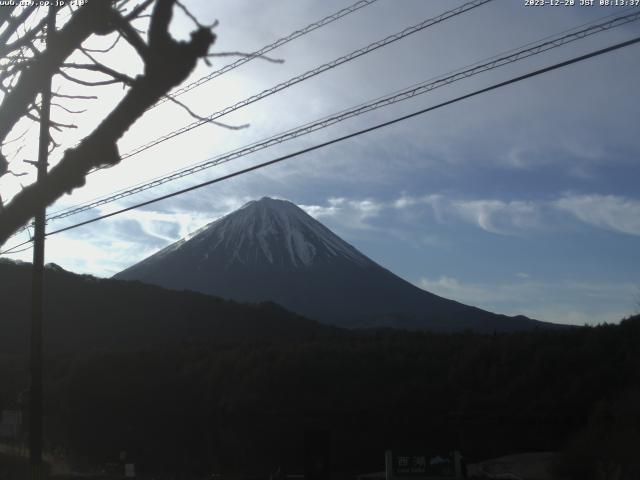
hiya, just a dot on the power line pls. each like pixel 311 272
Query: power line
pixel 257 54
pixel 345 137
pixel 311 73
pixel 597 25
pixel 359 132
pixel 418 89
pixel 385 41
pixel 268 48
pixel 14 251
pixel 272 46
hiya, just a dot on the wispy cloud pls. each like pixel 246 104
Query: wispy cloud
pixel 134 235
pixel 492 215
pixel 405 201
pixel 498 216
pixel 611 212
pixel 354 214
pixel 164 226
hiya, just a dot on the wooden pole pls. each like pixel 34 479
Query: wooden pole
pixel 37 290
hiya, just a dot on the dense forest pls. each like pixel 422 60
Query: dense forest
pixel 246 404
pixel 245 408
pixel 86 313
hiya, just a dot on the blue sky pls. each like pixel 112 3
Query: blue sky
pixel 523 200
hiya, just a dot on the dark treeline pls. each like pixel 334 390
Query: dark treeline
pixel 188 383
pixel 84 313
pixel 245 408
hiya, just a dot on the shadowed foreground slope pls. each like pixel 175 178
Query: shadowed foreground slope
pixel 151 372
pixel 88 313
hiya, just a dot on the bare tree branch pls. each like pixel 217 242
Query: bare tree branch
pixel 99 67
pixel 135 13
pixel 89 19
pixel 106 50
pixel 204 119
pixel 28 37
pixel 248 55
pixel 21 174
pixel 99 148
pixel 66 109
pixel 75 97
pixel 19 137
pixel 188 14
pixel 87 83
pixel 159 26
pixel 15 22
pixel 59 126
pixel 131 35
pixel 6 12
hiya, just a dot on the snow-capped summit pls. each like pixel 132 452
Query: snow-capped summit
pixel 271 250
pixel 273 231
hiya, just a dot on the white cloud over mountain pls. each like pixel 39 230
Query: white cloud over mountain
pixel 504 217
pixel 612 212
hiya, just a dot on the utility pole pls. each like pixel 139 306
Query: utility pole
pixel 37 307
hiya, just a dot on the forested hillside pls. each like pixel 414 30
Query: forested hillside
pixel 86 313
pixel 243 408
pixel 184 382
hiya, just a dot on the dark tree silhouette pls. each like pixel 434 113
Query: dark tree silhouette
pixel 26 63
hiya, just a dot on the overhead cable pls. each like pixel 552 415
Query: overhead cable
pixel 310 73
pixel 598 24
pixel 419 89
pixel 272 46
pixel 357 133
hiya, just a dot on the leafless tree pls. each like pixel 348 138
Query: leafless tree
pixel 26 61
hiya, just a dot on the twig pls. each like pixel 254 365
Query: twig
pixel 135 13
pixel 189 14
pixel 106 50
pixel 247 55
pixel 68 110
pixel 131 36
pixel 88 83
pixel 205 119
pixel 7 142
pixel 75 97
pixel 99 67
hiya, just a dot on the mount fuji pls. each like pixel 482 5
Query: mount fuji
pixel 271 250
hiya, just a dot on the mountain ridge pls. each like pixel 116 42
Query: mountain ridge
pixel 271 250
pixel 84 312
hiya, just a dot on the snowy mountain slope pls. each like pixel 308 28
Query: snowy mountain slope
pixel 272 250
pixel 270 230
